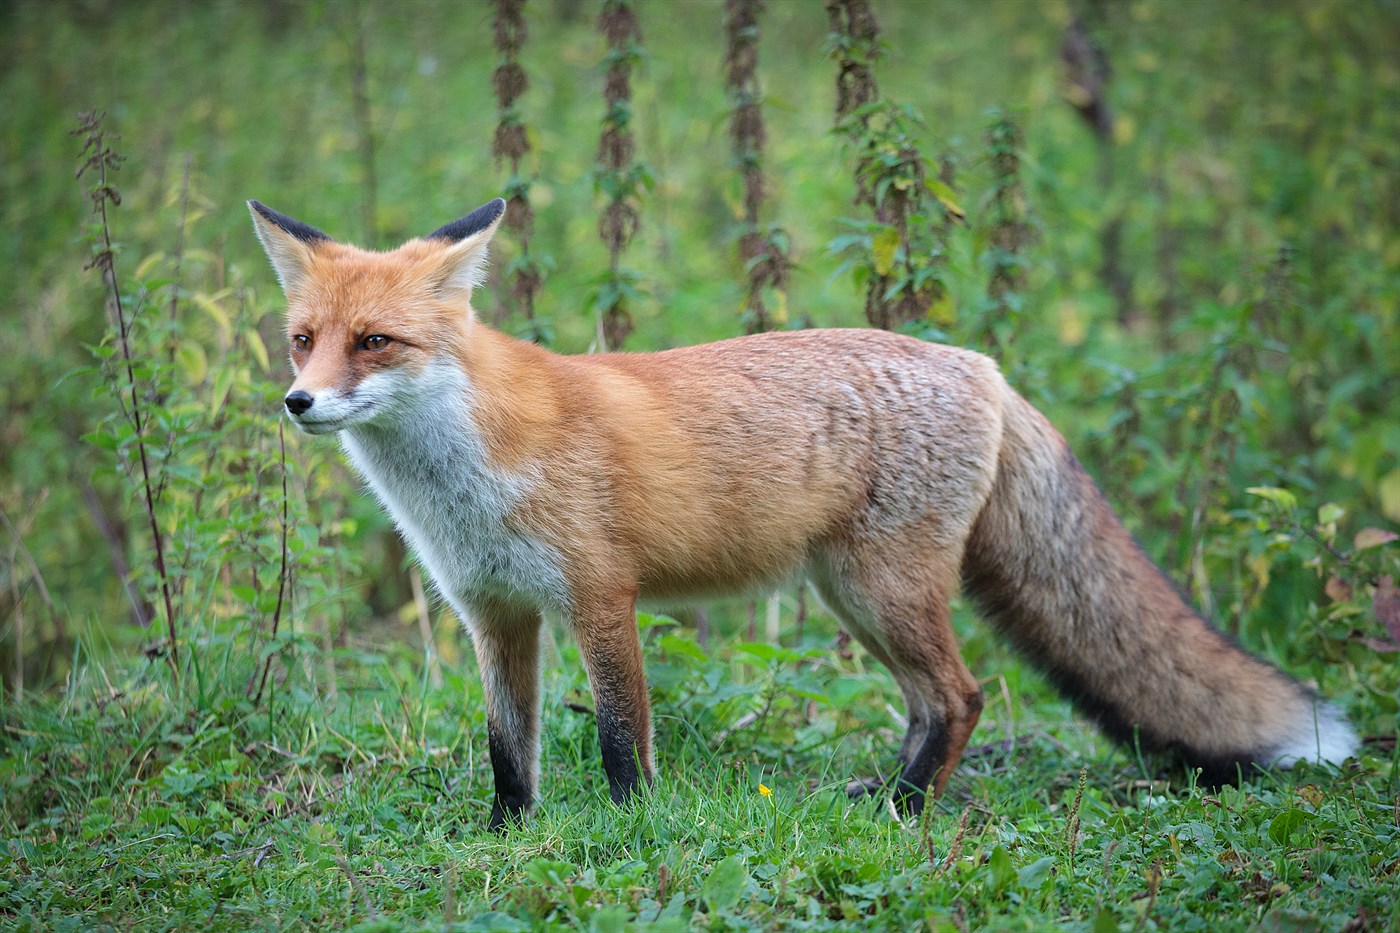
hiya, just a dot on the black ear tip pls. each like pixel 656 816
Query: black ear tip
pixel 293 228
pixel 475 222
pixel 490 211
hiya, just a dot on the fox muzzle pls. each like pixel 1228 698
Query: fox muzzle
pixel 299 402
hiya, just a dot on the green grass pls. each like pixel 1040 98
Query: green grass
pixel 133 803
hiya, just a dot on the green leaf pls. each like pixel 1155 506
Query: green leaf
pixel 224 378
pixel 845 691
pixel 495 922
pixel 726 884
pixel 1330 513
pixel 683 646
pixel 1290 821
pixel 774 653
pixel 1105 921
pixel 546 872
pixel 101 439
pixel 1000 873
pixel 610 919
pixel 1280 497
pixel 1036 873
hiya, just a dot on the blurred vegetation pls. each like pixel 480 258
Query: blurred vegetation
pixel 1193 265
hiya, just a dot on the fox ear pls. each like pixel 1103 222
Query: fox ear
pixel 478 220
pixel 289 244
pixel 464 262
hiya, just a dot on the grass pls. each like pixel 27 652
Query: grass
pixel 134 803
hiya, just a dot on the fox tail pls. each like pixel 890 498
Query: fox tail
pixel 1056 572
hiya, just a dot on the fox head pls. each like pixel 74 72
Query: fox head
pixel 372 334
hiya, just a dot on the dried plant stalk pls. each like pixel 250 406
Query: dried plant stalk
pixel 762 252
pixel 617 175
pixel 511 145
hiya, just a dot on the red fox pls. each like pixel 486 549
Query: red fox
pixel 886 470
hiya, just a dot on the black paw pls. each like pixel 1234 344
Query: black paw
pixel 506 816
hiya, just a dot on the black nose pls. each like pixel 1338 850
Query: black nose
pixel 298 402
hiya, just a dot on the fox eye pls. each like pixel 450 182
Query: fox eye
pixel 301 343
pixel 375 342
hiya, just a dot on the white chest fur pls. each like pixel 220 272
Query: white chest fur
pixel 426 462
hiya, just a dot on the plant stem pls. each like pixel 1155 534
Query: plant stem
pixel 105 260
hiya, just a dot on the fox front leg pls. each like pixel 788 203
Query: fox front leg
pixel 612 651
pixel 507 644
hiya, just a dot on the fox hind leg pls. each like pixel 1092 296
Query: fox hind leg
pixel 612 653
pixel 898 610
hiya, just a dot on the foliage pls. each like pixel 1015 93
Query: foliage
pixel 1008 234
pixel 526 272
pixel 1207 310
pixel 900 254
pixel 125 804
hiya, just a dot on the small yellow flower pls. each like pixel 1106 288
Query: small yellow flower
pixel 765 791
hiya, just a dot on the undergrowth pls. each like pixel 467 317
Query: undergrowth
pixel 129 800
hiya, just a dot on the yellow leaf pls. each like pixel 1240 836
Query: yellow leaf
pixel 882 249
pixel 209 304
pixel 1070 324
pixel 1390 495
pixel 193 361
pixel 255 344
pixel 947 197
pixel 1078 95
pixel 1260 565
pixel 780 308
pixel 942 311
pixel 1124 129
pixel 149 263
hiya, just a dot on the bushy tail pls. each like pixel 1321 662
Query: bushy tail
pixel 1058 574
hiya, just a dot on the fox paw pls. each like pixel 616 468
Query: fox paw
pixel 866 787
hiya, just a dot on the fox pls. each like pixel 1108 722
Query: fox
pixel 890 472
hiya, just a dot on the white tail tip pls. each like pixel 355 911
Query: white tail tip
pixel 1325 737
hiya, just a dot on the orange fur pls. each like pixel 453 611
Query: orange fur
pixel 886 469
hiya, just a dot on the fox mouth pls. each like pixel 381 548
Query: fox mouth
pixel 311 424
pixel 317 426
